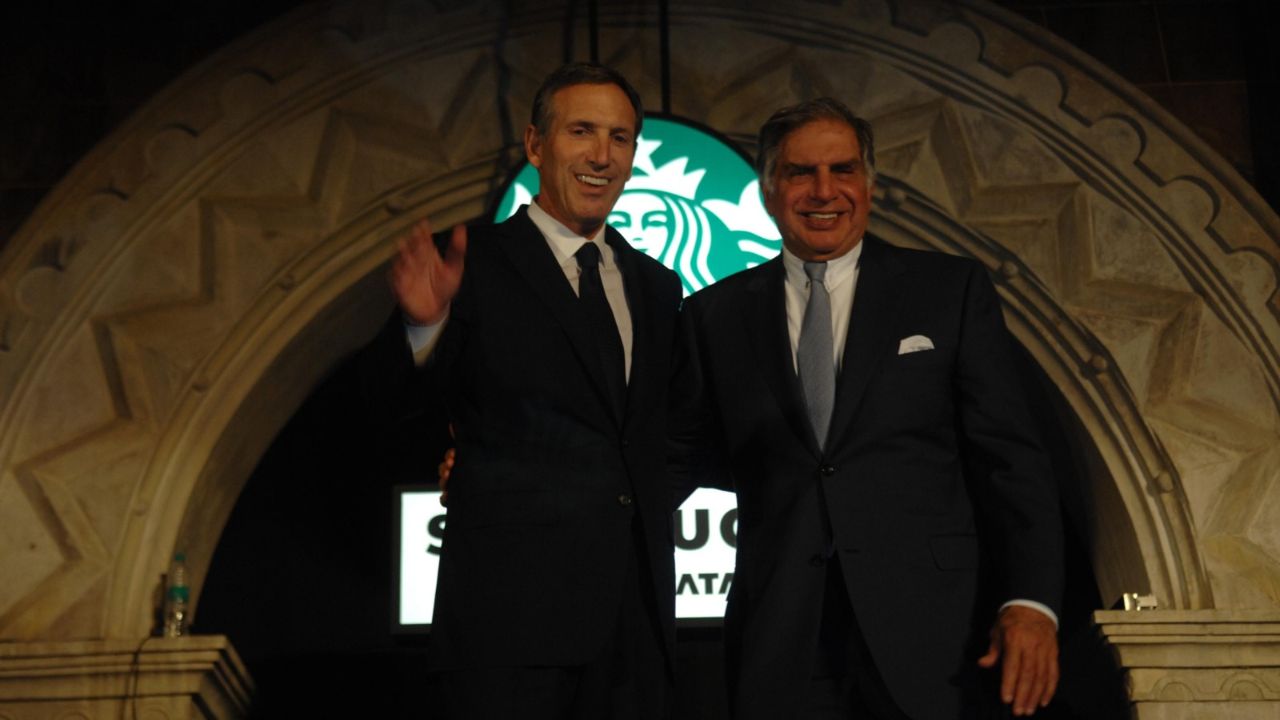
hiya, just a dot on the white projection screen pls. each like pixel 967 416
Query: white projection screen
pixel 705 541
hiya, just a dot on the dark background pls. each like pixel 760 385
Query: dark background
pixel 302 576
pixel 70 72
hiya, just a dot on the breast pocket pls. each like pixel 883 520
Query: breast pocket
pixel 932 359
pixel 912 391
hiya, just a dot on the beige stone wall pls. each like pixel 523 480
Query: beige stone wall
pixel 1198 665
pixel 157 678
pixel 182 290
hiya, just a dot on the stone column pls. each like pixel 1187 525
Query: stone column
pixel 155 678
pixel 1198 664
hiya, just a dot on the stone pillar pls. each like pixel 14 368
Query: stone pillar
pixel 1198 664
pixel 154 678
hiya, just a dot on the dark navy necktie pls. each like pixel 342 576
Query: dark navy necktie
pixel 603 327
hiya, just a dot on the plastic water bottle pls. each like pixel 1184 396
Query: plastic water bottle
pixel 175 598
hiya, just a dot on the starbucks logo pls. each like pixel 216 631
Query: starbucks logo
pixel 693 203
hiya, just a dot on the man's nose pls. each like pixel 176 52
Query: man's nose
pixel 823 187
pixel 598 154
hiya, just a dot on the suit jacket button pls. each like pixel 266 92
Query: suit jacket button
pixel 817 560
pixel 624 500
pixel 827 471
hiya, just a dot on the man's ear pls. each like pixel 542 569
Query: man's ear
pixel 533 146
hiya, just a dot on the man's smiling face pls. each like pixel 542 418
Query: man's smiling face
pixel 585 156
pixel 820 192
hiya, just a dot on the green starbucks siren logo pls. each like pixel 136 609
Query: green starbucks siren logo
pixel 693 203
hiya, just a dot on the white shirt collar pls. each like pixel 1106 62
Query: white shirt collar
pixel 839 270
pixel 565 242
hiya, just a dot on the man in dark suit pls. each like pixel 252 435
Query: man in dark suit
pixel 863 400
pixel 551 349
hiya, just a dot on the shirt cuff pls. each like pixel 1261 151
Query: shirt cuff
pixel 1034 606
pixel 422 338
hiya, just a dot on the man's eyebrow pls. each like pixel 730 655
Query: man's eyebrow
pixel 592 125
pixel 803 167
pixel 797 167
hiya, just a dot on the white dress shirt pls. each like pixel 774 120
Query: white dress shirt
pixel 564 243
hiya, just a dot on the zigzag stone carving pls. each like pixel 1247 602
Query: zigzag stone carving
pixel 172 301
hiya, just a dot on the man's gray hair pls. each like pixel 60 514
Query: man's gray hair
pixel 789 119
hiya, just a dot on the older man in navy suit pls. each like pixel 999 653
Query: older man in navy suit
pixel 863 403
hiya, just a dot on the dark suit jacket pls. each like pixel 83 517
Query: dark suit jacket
pixel 548 478
pixel 932 476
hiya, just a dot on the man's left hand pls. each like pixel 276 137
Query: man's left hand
pixel 443 471
pixel 1025 642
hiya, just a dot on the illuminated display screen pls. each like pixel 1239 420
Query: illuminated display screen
pixel 706 535
pixel 693 203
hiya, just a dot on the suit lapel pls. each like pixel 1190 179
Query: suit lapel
pixel 766 322
pixel 870 337
pixel 524 245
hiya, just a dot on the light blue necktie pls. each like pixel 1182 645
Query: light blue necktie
pixel 815 358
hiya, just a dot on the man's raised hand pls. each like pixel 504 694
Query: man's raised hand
pixel 424 282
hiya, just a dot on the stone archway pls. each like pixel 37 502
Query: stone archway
pixel 171 302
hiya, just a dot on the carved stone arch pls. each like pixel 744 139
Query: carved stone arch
pixel 170 303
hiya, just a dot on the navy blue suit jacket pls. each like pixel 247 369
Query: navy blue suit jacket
pixel 934 490
pixel 548 478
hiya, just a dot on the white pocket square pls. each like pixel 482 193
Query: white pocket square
pixel 915 343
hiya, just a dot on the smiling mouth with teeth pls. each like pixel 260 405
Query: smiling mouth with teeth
pixel 596 181
pixel 822 216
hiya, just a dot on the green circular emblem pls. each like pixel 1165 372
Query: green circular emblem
pixel 692 203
